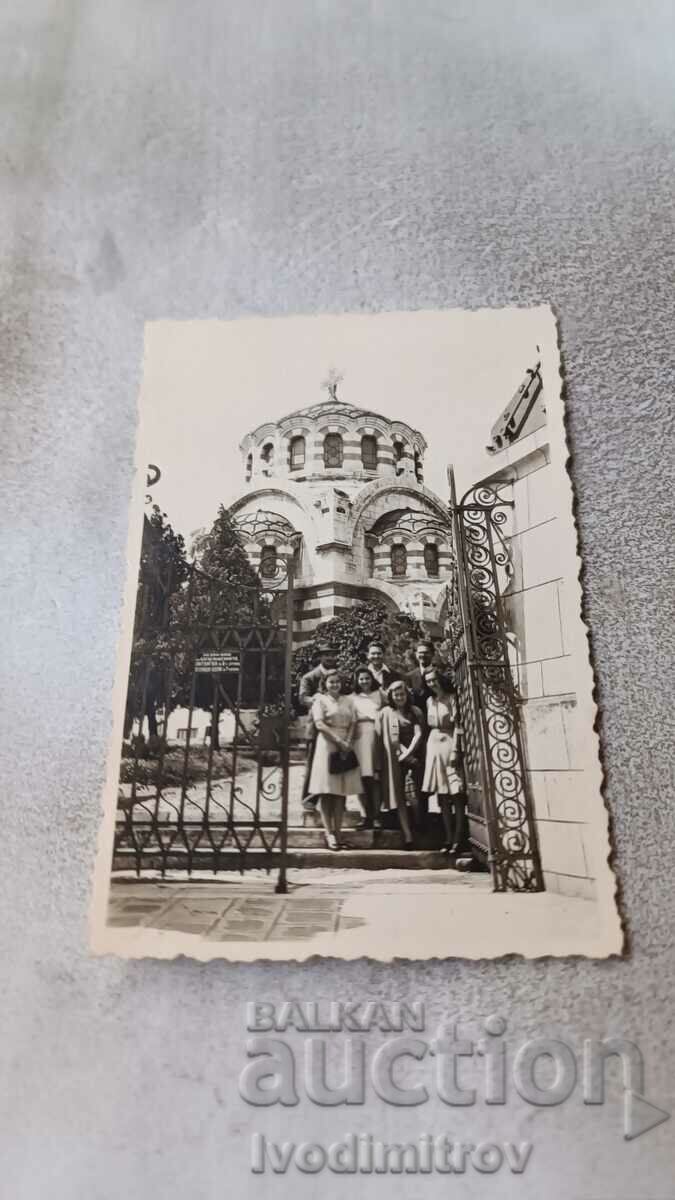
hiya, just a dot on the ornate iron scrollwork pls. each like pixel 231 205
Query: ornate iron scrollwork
pixel 488 699
pixel 152 477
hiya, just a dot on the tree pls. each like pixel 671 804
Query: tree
pixel 163 570
pixel 225 594
pixel 351 633
pixel 219 554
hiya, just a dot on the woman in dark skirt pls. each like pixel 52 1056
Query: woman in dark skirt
pixel 442 774
pixel 400 728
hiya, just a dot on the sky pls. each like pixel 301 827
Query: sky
pixel 447 373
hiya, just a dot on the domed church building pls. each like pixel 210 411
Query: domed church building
pixel 341 489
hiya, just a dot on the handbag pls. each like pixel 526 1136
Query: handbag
pixel 340 761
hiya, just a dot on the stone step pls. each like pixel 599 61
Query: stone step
pixel 359 839
pixel 369 860
pixel 366 860
pixel 312 819
pixel 351 818
pixel 307 837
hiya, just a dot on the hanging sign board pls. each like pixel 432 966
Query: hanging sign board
pixel 218 662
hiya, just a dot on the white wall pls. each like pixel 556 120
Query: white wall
pixel 539 616
pixel 179 720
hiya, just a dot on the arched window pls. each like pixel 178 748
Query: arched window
pixel 267 457
pixel 297 453
pixel 398 451
pixel 419 475
pixel 332 450
pixel 249 465
pixel 431 558
pixel 268 562
pixel 369 452
pixel 399 560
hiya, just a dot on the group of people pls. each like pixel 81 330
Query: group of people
pixel 393 742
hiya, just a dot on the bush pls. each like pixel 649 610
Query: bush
pixel 350 635
pixel 144 771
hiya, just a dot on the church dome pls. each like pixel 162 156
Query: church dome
pixel 333 439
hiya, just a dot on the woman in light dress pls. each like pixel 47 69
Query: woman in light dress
pixel 400 727
pixel 442 775
pixel 334 717
pixel 368 700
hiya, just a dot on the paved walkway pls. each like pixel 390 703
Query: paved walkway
pixel 247 909
pixel 350 914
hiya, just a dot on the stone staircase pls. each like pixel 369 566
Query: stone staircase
pixel 361 849
pixel 166 848
pixel 367 849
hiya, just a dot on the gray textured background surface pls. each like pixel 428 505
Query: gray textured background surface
pixel 217 159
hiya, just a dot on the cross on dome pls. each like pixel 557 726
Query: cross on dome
pixel 330 384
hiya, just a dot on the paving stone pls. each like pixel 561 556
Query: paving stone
pixel 251 927
pixel 204 906
pixel 261 920
pixel 182 925
pixel 292 933
pixel 149 906
pixel 229 935
pixel 296 933
pixel 184 918
pixel 241 933
pixel 319 923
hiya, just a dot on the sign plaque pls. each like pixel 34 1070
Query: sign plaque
pixel 218 662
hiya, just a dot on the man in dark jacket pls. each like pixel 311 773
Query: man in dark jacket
pixel 311 683
pixel 381 673
pixel 424 655
pixel 420 692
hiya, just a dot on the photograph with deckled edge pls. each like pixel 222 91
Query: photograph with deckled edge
pixel 354 709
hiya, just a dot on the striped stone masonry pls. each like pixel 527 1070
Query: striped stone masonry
pixel 415 564
pixel 313 605
pixel 340 513
pixel 266 452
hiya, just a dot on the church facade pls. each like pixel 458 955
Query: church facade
pixel 341 489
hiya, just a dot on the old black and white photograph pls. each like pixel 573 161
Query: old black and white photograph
pixel 354 712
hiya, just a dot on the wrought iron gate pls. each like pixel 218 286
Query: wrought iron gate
pixel 499 806
pixel 214 655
